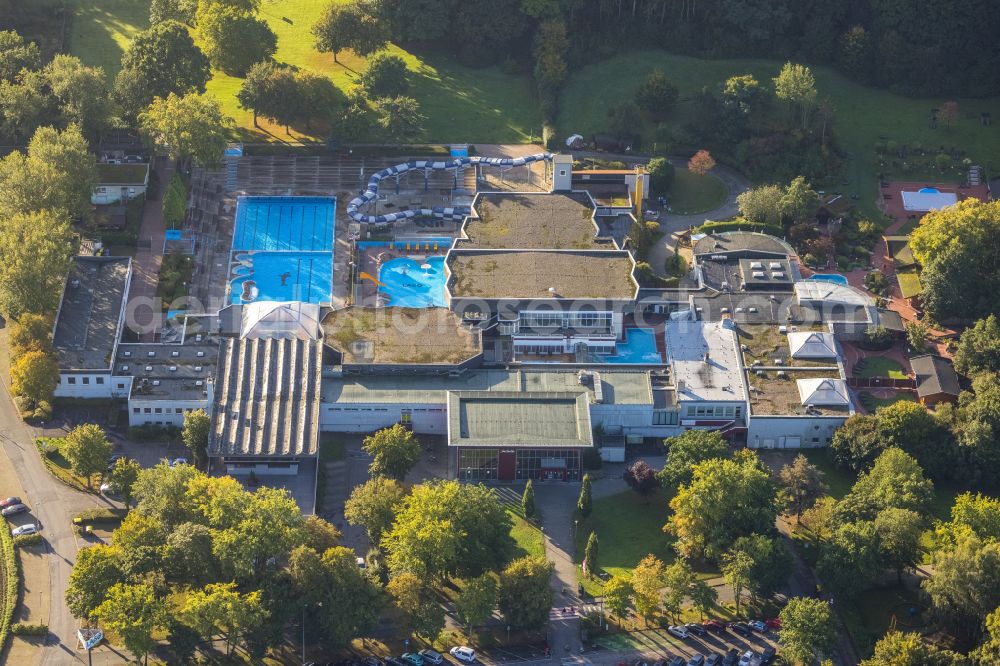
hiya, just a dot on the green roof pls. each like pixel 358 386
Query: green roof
pixel 122 174
pixel 899 250
pixel 512 418
pixel 909 282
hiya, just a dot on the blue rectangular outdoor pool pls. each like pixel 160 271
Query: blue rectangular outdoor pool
pixel 283 249
pixel 639 348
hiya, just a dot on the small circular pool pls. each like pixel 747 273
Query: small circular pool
pixel 413 284
pixel 929 190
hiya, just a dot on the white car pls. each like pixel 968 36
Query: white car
pixel 463 653
pixel 24 530
pixel 678 631
pixel 178 461
pixel 746 658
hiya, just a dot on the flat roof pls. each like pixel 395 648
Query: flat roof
pixel 164 371
pixel 400 335
pixel 909 282
pixel 934 374
pixel 899 249
pixel 830 293
pixel 704 358
pixel 122 174
pixel 86 327
pixel 774 394
pixel 267 395
pixel 742 241
pixel 532 220
pixel 757 272
pixel 513 418
pixel 520 274
pixel 624 387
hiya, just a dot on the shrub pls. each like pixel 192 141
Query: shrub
pixel 661 174
pixel 385 76
pixel 28 629
pixel 877 338
pixel 740 224
pixel 26 540
pixel 23 403
pixel 11 574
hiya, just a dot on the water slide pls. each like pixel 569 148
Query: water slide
pixel 442 212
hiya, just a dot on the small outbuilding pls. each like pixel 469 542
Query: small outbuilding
pixel 936 379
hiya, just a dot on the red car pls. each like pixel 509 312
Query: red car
pixel 774 623
pixel 714 625
pixel 10 501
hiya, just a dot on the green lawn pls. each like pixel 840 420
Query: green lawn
pixel 879 366
pixel 461 104
pixel 839 481
pixel 863 114
pixel 527 536
pixel 871 403
pixel 693 193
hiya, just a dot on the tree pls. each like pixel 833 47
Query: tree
pixel 908 648
pixel 644 235
pixel 624 120
pixel 448 528
pixel 803 483
pixel 799 201
pixel 703 596
pixel 16 54
pixel 57 174
pixel 31 332
pixel 317 95
pixel 965 586
pixel 979 348
pixel 686 450
pixel 476 601
pixel 770 563
pixel 421 614
pixel 656 95
pixel 349 26
pixel 123 477
pixel 264 89
pixel 133 612
pixel 850 559
pixel 647 579
pixel 916 335
pixel 234 39
pixel 35 255
pixel 979 428
pixel 373 505
pixel 95 572
pixel 741 93
pixel 399 118
pixel 952 246
pixel 856 444
pixel 661 174
pixel 894 481
pixel 161 491
pixel 187 555
pixel 736 568
pixel 189 126
pixel 160 61
pixel 820 519
pixel 81 91
pixel 197 426
pixel 701 163
pixel 641 477
pixel 585 503
pixel 35 376
pixel 762 204
pixel 550 47
pixel 26 103
pixel 989 651
pixel 525 596
pixel 528 501
pixel 618 596
pixel 394 450
pixel 807 629
pixel 590 555
pixel 182 11
pixel 385 76
pixel 899 532
pixel 678 578
pixel 220 606
pixel 269 524
pixel 978 514
pixel 726 499
pixel 796 86
pixel 175 201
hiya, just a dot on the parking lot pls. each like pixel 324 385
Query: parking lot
pixel 658 645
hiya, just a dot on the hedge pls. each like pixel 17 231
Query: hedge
pixel 740 225
pixel 11 575
pixel 28 629
pixel 25 540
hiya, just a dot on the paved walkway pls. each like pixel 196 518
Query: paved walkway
pixel 557 502
pixel 146 265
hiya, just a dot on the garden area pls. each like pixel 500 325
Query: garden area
pixel 461 103
pixel 872 402
pixel 692 193
pixel 879 366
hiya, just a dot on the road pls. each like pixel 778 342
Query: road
pixel 53 505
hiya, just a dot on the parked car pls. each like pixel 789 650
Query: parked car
pixel 759 626
pixel 746 658
pixel 731 657
pixel 413 658
pixel 676 661
pixel 696 629
pixel 463 653
pixel 767 655
pixel 714 625
pixel 10 501
pixel 432 656
pixel 774 623
pixel 23 530
pixel 697 659
pixel 13 509
pixel 112 459
pixel 740 628
pixel 372 661
pixel 178 461
pixel 393 661
pixel 714 659
pixel 678 631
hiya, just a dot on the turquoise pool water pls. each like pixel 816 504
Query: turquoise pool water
pixel 408 285
pixel 283 249
pixel 639 347
pixel 829 277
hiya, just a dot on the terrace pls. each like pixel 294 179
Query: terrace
pixel 400 335
pixel 776 393
pixel 544 221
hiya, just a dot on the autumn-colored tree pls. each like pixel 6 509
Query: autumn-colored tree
pixel 701 163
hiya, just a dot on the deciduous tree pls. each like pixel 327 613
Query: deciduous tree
pixel 894 481
pixel 421 614
pixel 16 53
pixel 399 118
pixel 803 484
pixel 476 601
pixel 35 254
pixel 761 204
pixel 686 450
pixel 647 579
pixel 701 163
pixel 373 505
pixel 661 174
pixel 394 450
pixel 850 559
pixel 81 91
pixel 656 95
pixel 979 348
pixel 133 612
pixel 736 569
pixel 234 39
pixel 122 478
pixel 965 586
pixel 95 572
pixel 641 477
pixel 349 26
pixel 899 532
pixel 189 126
pixel 160 61
pixel 770 564
pixel 525 596
pixel 807 629
pixel 31 332
pixel 385 76
pixel 796 86
pixel 35 376
pixel 899 648
pixel 197 426
pixel 678 578
pixel 618 596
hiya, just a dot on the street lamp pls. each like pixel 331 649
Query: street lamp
pixel 576 524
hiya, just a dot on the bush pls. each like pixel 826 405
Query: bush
pixel 661 174
pixel 656 95
pixel 740 224
pixel 26 540
pixel 876 338
pixel 385 76
pixel 11 576
pixel 23 403
pixel 27 629
pixel 152 432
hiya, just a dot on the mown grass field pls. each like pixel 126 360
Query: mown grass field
pixel 863 115
pixel 461 104
pixel 693 193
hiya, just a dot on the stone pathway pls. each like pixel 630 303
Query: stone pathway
pixel 557 503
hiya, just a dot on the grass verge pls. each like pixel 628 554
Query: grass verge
pixel 527 536
pixel 59 467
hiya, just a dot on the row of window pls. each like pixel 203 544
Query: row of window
pixel 665 417
pixel 720 411
pixel 161 410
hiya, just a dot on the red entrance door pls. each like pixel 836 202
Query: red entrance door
pixel 507 465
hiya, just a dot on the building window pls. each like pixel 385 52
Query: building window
pixel 146 410
pixel 529 462
pixel 86 380
pixel 477 464
pixel 71 380
pixel 158 410
pixel 99 380
pixel 121 386
pixel 178 410
pixel 135 410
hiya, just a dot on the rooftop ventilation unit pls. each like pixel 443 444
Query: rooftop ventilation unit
pixel 126 354
pixel 124 368
pixel 156 382
pixel 759 275
pixel 200 354
pixel 149 368
pixel 199 383
pixel 779 275
pixel 151 354
pixel 197 368
pixel 775 264
pixel 756 265
pixel 175 353
pixel 173 368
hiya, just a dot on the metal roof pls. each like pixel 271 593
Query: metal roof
pixel 934 374
pixel 512 418
pixel 86 327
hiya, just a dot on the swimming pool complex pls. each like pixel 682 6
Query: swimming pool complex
pixel 639 348
pixel 829 277
pixel 409 283
pixel 283 249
